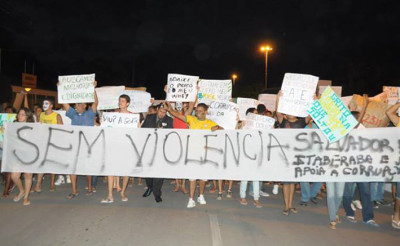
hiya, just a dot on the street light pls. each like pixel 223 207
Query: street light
pixel 234 77
pixel 265 49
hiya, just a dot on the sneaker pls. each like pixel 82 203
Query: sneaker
pixel 275 190
pixel 314 200
pixel 191 203
pixel 60 180
pixel 357 203
pixel 303 204
pixel 201 200
pixel 352 219
pixel 371 223
pixel 264 194
pixel 383 202
pixel 229 195
pixel 375 204
pixel 219 196
pixel 68 179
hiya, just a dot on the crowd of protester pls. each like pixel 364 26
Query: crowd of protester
pixel 351 195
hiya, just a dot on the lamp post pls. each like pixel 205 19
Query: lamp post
pixel 234 77
pixel 266 49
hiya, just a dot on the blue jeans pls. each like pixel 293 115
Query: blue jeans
pixel 308 192
pixel 365 195
pixel 256 192
pixel 377 191
pixel 260 186
pixel 334 197
pixel 94 181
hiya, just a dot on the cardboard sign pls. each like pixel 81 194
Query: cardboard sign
pixel 120 120
pixel 224 113
pixel 140 101
pixel 296 155
pixel 214 90
pixel 269 100
pixel 332 116
pixel 5 118
pixel 375 115
pixel 258 122
pixel 108 96
pixel 29 81
pixel 336 89
pixel 182 88
pixel 76 88
pixel 297 94
pixel 244 104
pixel 346 100
pixel 356 103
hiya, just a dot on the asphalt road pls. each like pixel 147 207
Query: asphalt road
pixel 53 220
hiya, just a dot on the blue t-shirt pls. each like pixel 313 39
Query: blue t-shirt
pixel 84 119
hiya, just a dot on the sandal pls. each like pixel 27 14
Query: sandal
pixel 176 189
pixel 184 190
pixel 89 193
pixel 18 197
pixel 395 224
pixel 257 204
pixel 293 210
pixel 124 199
pixel 26 203
pixel 107 200
pixel 243 202
pixel 332 225
pixel 72 195
pixel 285 212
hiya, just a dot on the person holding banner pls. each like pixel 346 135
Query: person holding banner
pixel 52 118
pixel 123 103
pixel 395 119
pixel 158 120
pixel 24 115
pixel 81 116
pixel 198 122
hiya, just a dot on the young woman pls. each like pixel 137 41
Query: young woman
pixel 24 115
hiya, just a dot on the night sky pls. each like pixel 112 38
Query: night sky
pixel 354 43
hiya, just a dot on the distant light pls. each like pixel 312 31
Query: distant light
pixel 28 89
pixel 265 48
pixel 234 76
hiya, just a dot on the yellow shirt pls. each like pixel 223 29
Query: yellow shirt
pixel 48 119
pixel 195 123
pixel 398 125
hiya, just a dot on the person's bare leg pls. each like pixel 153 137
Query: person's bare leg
pixel 139 181
pixel 192 187
pixel 52 181
pixel 39 181
pixel 220 183
pixel 292 188
pixel 125 181
pixel 73 183
pixel 110 186
pixel 17 181
pixel 286 195
pixel 7 185
pixel 117 184
pixel 183 186
pixel 202 186
pixel 28 185
pixel 89 182
pixel 230 185
pixel 177 185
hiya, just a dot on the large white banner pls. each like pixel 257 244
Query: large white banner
pixel 244 104
pixel 120 120
pixel 274 155
pixel 76 88
pixel 214 90
pixel 140 101
pixel 297 94
pixel 225 114
pixel 108 96
pixel 182 88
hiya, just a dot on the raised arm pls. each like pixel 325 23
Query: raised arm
pixel 174 113
pixel 391 113
pixel 59 120
pixel 96 99
pixel 279 116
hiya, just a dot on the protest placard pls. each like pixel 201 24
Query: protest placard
pixel 214 90
pixel 375 115
pixel 244 104
pixel 269 100
pixel 76 88
pixel 223 113
pixel 108 96
pixel 393 93
pixel 346 100
pixel 120 120
pixel 66 120
pixel 258 122
pixel 140 100
pixel 5 118
pixel 297 94
pixel 296 155
pixel 182 88
pixel 336 89
pixel 332 116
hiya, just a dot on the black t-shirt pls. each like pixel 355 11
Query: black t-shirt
pixel 300 123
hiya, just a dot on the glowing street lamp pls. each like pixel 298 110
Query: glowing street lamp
pixel 266 49
pixel 234 77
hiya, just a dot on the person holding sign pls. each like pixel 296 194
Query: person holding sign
pixel 158 120
pixel 123 103
pixel 289 121
pixel 52 118
pixel 81 116
pixel 391 114
pixel 198 122
pixel 24 115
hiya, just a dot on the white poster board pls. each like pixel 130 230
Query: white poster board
pixel 108 96
pixel 258 122
pixel 76 88
pixel 336 89
pixel 244 104
pixel 269 100
pixel 214 90
pixel 297 94
pixel 224 113
pixel 140 101
pixel 182 88
pixel 120 120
